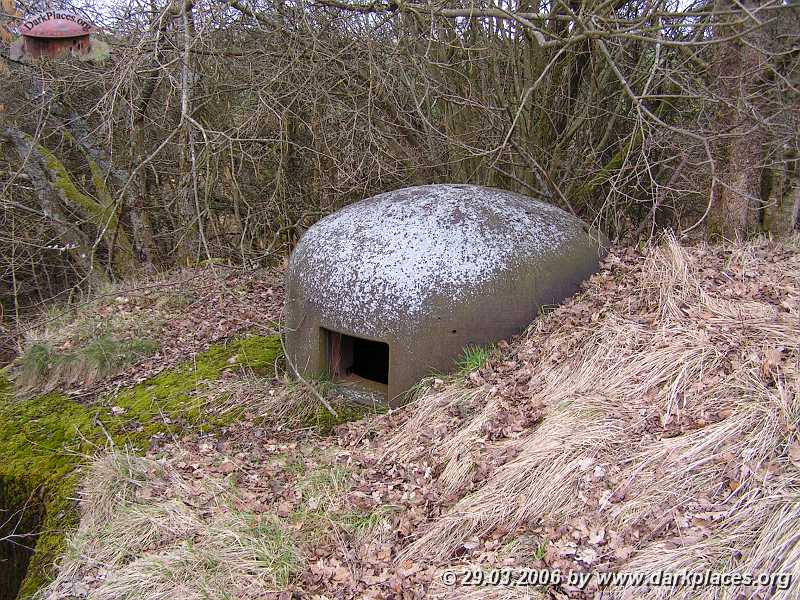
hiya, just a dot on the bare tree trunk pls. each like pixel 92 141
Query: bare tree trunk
pixel 741 142
pixel 141 227
pixel 75 241
pixel 189 248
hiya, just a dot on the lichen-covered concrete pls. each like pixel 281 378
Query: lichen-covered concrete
pixel 429 270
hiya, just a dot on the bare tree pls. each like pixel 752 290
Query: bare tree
pixel 221 129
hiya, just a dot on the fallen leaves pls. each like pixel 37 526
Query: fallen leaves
pixel 227 467
pixel 185 313
pixel 395 495
pixel 794 453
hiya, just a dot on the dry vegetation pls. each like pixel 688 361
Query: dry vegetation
pixel 220 130
pixel 669 431
pixel 649 423
pixel 150 325
pixel 127 543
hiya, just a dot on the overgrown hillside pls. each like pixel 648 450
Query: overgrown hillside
pixel 129 369
pixel 650 423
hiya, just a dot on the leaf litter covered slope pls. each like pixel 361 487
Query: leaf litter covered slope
pixel 174 316
pixel 649 423
pixel 670 433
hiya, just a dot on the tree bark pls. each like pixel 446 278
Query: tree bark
pixel 782 215
pixel 741 141
pixel 75 242
pixel 142 246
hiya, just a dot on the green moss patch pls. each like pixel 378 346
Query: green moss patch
pixel 45 439
pixel 321 419
pixel 168 403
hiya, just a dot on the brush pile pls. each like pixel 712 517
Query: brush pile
pixel 651 424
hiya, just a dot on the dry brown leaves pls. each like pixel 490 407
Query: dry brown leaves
pixel 185 312
pixel 408 480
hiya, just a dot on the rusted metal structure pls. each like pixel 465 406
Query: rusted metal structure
pixel 53 34
pixel 390 288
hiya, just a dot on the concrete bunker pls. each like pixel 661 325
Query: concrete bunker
pixel 389 289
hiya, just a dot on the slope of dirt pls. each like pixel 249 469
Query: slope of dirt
pixel 650 424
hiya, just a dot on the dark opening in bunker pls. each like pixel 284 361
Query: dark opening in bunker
pixel 350 356
pixel 20 519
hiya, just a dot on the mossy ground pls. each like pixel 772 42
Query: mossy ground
pixel 325 422
pixel 45 439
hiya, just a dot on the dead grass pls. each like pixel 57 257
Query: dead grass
pixel 114 312
pixel 85 342
pixel 164 529
pixel 43 368
pixel 287 405
pixel 149 533
pixel 676 426
pixel 650 424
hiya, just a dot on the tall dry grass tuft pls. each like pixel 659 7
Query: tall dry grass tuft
pixel 669 278
pixel 148 533
pixel 692 402
pixel 43 369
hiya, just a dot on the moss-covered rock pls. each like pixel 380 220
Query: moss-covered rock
pixel 44 439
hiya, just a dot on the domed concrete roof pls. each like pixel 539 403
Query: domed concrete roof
pixel 430 269
pixel 55 24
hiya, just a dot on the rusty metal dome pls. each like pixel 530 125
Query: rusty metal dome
pixel 55 24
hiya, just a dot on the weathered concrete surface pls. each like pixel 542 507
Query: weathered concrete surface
pixel 428 270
